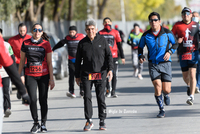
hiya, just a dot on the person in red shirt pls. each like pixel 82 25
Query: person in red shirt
pixel 114 40
pixel 8 64
pixel 187 33
pixel 38 73
pixel 72 41
pixel 16 43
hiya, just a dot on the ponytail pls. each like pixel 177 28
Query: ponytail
pixel 45 36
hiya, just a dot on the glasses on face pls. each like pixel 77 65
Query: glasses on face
pixel 151 20
pixel 35 30
pixel 186 13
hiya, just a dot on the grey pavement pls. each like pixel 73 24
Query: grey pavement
pixel 134 111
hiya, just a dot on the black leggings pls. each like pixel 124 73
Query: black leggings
pixel 42 83
pixel 6 93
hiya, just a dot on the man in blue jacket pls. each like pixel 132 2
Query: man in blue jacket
pixel 158 41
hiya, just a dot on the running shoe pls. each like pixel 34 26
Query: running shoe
pixel 114 96
pixel 190 101
pixel 166 99
pixel 188 91
pixel 88 126
pixel 7 113
pixel 43 128
pixel 18 95
pixel 102 126
pixel 108 93
pixel 71 95
pixel 81 94
pixel 140 77
pixel 35 128
pixel 197 90
pixel 161 114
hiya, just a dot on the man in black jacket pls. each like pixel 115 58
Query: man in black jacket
pixel 94 62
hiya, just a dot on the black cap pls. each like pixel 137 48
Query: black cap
pixel 186 9
pixel 72 28
pixel 135 24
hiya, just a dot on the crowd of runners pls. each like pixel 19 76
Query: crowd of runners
pixel 93 60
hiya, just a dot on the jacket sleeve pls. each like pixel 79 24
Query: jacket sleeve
pixel 108 55
pixel 121 51
pixel 141 46
pixel 78 61
pixel 173 41
pixel 15 78
pixel 59 44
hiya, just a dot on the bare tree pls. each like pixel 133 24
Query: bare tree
pixel 70 10
pixel 101 6
pixel 56 12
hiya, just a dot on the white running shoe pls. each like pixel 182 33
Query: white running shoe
pixel 197 90
pixel 71 95
pixel 140 77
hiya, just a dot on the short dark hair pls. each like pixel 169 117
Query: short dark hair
pixel 21 25
pixel 154 14
pixel 106 19
pixel 1 31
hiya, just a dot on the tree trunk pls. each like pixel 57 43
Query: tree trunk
pixel 101 8
pixel 56 13
pixel 70 10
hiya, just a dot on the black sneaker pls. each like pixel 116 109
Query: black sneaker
pixel 35 128
pixel 18 95
pixel 166 99
pixel 43 128
pixel 188 91
pixel 161 114
pixel 88 126
pixel 102 126
pixel 81 94
pixel 114 95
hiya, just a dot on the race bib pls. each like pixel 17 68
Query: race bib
pixel 187 56
pixel 35 67
pixel 94 76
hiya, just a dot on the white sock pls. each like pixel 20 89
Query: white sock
pixel 192 96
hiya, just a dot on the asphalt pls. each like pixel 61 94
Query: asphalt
pixel 134 111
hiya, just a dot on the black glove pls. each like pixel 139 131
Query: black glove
pixel 142 56
pixel 26 99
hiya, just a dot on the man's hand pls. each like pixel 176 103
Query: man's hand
pixel 78 81
pixel 110 75
pixel 123 61
pixel 26 99
pixel 142 60
pixel 180 40
pixel 167 56
pixel 51 84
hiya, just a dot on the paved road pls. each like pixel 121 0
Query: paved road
pixel 134 111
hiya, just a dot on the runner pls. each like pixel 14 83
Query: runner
pixel 187 33
pixel 6 81
pixel 113 38
pixel 93 60
pixel 72 41
pixel 16 43
pixel 7 62
pixel 195 18
pixel 133 41
pixel 38 73
pixel 158 40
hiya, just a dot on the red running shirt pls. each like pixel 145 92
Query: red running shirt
pixel 36 54
pixel 5 59
pixel 112 37
pixel 190 33
pixel 16 43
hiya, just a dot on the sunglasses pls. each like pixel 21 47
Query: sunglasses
pixel 151 20
pixel 186 13
pixel 35 30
